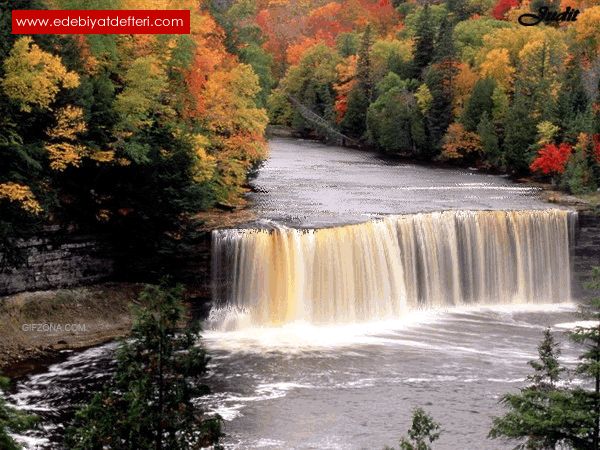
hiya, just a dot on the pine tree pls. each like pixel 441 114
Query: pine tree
pixel 552 5
pixel 423 432
pixel 578 177
pixel 519 134
pixel 547 369
pixel 363 65
pixel 355 120
pixel 424 42
pixel 444 44
pixel 541 413
pixel 573 104
pixel 439 79
pixel 489 141
pixel 479 102
pixel 589 365
pixel 149 402
pixel 459 10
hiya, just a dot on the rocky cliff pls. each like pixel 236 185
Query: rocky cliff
pixel 586 249
pixel 55 259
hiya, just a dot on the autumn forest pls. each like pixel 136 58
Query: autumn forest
pixel 137 133
pixel 135 142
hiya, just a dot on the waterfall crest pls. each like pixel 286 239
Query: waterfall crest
pixel 384 268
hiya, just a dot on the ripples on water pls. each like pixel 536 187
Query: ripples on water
pixel 308 184
pixel 351 387
pixel 302 386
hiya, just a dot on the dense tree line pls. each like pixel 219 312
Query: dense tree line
pixel 459 81
pixel 128 134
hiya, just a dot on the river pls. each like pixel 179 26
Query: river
pixel 367 287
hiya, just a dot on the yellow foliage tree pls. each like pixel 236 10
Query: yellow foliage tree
pixel 145 84
pixel 22 195
pixel 229 99
pixel 236 126
pixel 463 87
pixel 33 77
pixel 386 52
pixel 424 98
pixel 587 29
pixel 64 149
pixel 497 65
pixel 206 164
pixel 542 64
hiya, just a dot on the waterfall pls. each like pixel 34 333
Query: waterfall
pixel 386 267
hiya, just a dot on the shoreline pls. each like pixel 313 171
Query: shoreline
pixel 105 309
pixel 39 325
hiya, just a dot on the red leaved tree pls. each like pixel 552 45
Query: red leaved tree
pixel 552 159
pixel 502 7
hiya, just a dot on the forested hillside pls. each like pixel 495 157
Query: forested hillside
pixel 134 134
pixel 460 81
pixel 129 134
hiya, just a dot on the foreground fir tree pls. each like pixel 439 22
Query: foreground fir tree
pixel 548 416
pixel 589 366
pixel 541 414
pixel 149 403
pixel 423 432
pixel 11 421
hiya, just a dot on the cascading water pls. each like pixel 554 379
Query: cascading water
pixel 385 268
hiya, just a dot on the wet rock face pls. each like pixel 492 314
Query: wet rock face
pixel 56 260
pixel 586 251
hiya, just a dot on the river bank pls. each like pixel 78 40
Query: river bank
pixel 38 325
pixel 105 308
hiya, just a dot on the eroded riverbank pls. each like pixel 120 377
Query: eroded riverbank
pixel 37 326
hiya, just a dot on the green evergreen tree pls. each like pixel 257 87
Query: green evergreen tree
pixel 444 49
pixel 439 116
pixel 547 370
pixel 552 5
pixel 395 123
pixel 355 120
pixel 489 141
pixel 519 135
pixel 424 42
pixel 589 365
pixel 11 420
pixel 573 106
pixel 439 79
pixel 347 44
pixel 542 414
pixel 459 10
pixel 479 102
pixel 149 402
pixel 578 177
